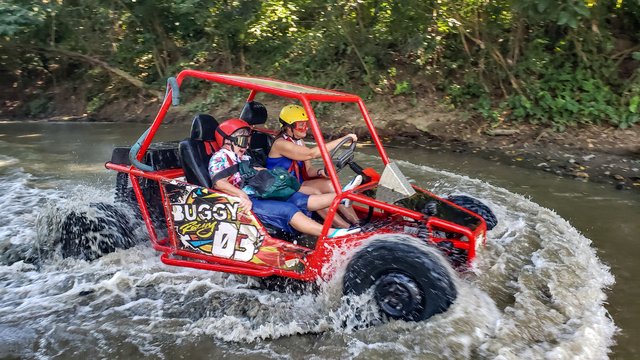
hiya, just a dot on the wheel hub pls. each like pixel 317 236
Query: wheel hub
pixel 397 295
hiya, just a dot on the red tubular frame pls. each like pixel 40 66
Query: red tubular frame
pixel 214 267
pixel 305 98
pixel 315 260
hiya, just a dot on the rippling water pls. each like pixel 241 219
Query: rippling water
pixel 537 291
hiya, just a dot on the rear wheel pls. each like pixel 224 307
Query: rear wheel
pixel 90 235
pixel 409 280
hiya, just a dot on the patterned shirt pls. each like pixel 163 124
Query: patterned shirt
pixel 220 161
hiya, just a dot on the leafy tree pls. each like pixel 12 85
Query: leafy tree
pixel 559 62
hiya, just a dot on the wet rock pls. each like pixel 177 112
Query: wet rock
pixel 543 164
pixel 618 177
pixel 582 175
pixel 402 138
pixel 620 186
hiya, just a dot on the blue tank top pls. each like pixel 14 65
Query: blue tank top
pixel 285 163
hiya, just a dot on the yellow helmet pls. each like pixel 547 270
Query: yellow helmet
pixel 291 114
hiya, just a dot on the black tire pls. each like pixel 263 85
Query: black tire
pixel 409 281
pixel 288 285
pixel 89 238
pixel 151 193
pixel 475 206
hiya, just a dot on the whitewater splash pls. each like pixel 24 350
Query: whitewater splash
pixel 537 291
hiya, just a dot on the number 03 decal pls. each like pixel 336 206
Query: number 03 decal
pixel 240 245
pixel 210 223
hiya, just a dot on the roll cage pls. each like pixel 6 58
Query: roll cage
pixel 313 259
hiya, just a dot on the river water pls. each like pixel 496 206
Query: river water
pixel 554 281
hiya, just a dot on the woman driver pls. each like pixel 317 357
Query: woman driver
pixel 289 152
pixel 233 138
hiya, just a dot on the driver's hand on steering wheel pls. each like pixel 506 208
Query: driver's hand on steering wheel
pixel 245 203
pixel 353 136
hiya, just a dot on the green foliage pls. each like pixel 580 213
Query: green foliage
pixel 551 63
pixel 39 106
pixel 554 62
pixel 633 104
pixel 483 107
pixel 403 87
pixel 216 95
pixel 16 17
pixel 95 104
pixel 320 108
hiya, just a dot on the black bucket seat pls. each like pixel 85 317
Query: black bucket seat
pixel 195 151
pixel 255 113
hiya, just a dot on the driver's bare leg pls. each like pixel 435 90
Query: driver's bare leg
pixel 349 213
pixel 338 221
pixel 304 224
pixel 309 190
pixel 317 202
pixel 323 186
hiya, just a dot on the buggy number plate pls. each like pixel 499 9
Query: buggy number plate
pixel 211 223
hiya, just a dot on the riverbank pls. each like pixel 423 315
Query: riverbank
pixel 601 154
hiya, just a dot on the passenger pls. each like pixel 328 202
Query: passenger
pixel 289 152
pixel 233 138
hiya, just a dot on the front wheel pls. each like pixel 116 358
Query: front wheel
pixel 476 206
pixel 408 279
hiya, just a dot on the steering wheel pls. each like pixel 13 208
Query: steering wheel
pixel 345 157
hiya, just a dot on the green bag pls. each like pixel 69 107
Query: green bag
pixel 274 184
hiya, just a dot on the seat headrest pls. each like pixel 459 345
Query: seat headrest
pixel 254 113
pixel 204 128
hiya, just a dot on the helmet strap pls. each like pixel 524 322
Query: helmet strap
pixel 292 135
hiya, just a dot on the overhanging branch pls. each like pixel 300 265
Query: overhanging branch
pixel 123 74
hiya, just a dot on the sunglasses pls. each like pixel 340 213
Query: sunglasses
pixel 241 140
pixel 301 125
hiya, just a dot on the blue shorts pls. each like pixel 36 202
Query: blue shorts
pixel 280 213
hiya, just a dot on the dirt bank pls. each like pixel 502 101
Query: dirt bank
pixel 601 154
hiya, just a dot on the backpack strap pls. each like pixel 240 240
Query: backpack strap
pixel 225 173
pixel 231 170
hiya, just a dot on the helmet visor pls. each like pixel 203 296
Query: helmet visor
pixel 241 140
pixel 301 125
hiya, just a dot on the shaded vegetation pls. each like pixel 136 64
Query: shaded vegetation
pixel 559 62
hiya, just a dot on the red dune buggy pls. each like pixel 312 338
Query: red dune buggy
pixel 405 230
